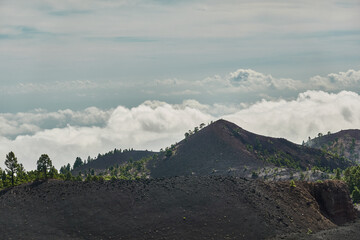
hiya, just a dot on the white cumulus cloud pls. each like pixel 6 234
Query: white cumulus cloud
pixel 335 81
pixel 28 123
pixel 151 125
pixel 312 112
pixel 250 80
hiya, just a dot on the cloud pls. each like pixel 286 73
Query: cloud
pixel 10 128
pixel 246 85
pixel 185 92
pixel 59 86
pixel 29 123
pixel 40 42
pixel 155 124
pixel 312 112
pixel 251 82
pixel 242 81
pixel 244 16
pixel 335 81
pixel 151 125
pixel 169 81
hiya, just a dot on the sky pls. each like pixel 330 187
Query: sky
pixel 78 78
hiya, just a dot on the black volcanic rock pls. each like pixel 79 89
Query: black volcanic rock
pixel 210 207
pixel 226 149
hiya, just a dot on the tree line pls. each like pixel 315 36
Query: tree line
pixel 15 173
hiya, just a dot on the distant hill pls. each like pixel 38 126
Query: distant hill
pixel 110 159
pixel 226 149
pixel 345 143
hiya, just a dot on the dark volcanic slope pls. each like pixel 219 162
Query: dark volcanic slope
pixel 175 208
pixel 349 231
pixel 224 148
pixel 344 143
pixel 110 159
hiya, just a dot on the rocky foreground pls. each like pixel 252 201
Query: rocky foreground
pixel 174 208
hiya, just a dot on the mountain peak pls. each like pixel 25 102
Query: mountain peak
pixel 225 148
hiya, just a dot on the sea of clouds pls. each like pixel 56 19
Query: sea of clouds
pixel 152 125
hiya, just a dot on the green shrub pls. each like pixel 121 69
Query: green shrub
pixel 168 153
pixel 338 174
pixel 101 179
pixel 88 178
pixel 68 176
pixel 356 195
pixel 78 178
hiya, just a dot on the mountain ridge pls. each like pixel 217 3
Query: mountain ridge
pixel 111 159
pixel 344 143
pixel 223 148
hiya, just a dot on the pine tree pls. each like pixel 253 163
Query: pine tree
pixel 12 165
pixel 78 162
pixel 44 164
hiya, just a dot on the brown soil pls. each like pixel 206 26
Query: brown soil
pixel 174 208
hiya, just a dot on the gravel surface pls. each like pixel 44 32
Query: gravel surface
pixel 174 208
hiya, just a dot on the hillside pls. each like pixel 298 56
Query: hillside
pixel 226 149
pixel 175 208
pixel 113 158
pixel 345 143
